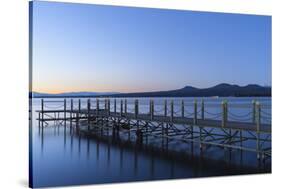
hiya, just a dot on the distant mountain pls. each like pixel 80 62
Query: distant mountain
pixel 223 90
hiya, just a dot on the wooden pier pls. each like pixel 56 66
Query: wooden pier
pixel 223 129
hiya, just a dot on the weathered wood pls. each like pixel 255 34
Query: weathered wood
pixel 182 108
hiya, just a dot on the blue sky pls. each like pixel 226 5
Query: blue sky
pixel 80 47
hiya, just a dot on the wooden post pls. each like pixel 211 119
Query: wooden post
pixel 151 109
pixel 224 113
pixel 64 112
pixel 172 111
pixel 254 111
pixel 136 108
pixel 182 108
pixel 121 107
pixel 115 107
pixel 105 104
pixel 42 114
pixel 202 109
pixel 71 110
pixel 78 115
pixel 195 112
pixel 258 121
pixel 88 108
pixel 98 107
pixel 125 107
pixel 108 106
pixel 165 108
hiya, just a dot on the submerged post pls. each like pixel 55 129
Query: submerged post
pixel 254 111
pixel 202 109
pixel 182 108
pixel 151 109
pixel 172 111
pixel 136 108
pixel 258 121
pixel 195 112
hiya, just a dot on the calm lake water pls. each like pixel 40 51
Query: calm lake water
pixel 61 157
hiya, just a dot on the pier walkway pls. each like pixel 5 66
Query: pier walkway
pixel 221 128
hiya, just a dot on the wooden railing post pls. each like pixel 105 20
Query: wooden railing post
pixel 172 111
pixel 224 113
pixel 115 107
pixel 78 114
pixel 64 112
pixel 151 109
pixel 202 109
pixel 121 107
pixel 258 122
pixel 71 111
pixel 254 111
pixel 42 113
pixel 88 108
pixel 182 108
pixel 98 107
pixel 258 116
pixel 165 108
pixel 125 107
pixel 108 106
pixel 136 108
pixel 195 112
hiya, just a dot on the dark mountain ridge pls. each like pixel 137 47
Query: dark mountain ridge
pixel 223 90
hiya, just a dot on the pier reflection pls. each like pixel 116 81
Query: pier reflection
pixel 152 156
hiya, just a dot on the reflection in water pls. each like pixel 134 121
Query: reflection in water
pixel 137 161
